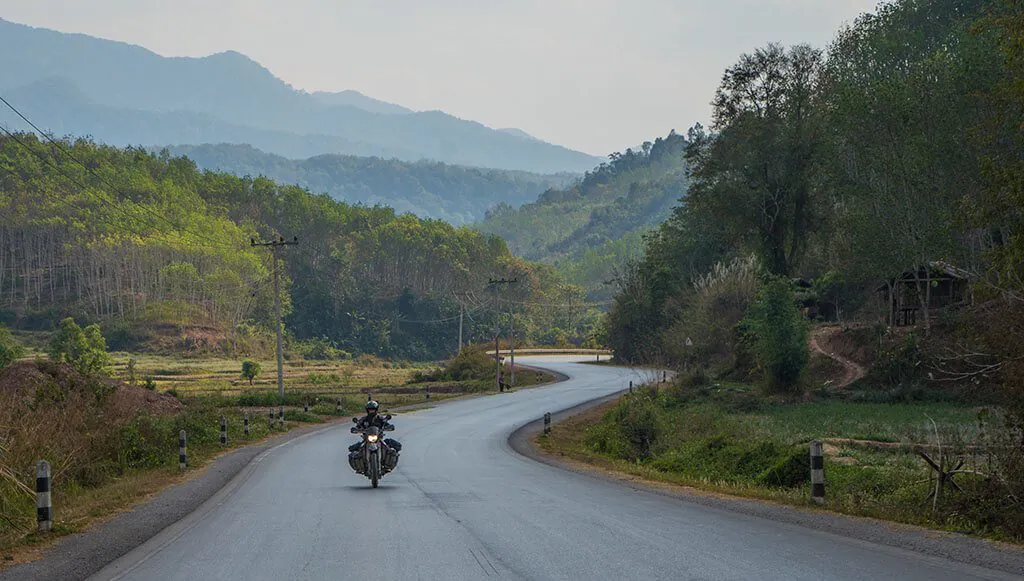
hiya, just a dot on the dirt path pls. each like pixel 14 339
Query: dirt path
pixel 853 371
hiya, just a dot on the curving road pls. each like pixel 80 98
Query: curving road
pixel 463 505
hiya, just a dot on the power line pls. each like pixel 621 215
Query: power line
pixel 95 174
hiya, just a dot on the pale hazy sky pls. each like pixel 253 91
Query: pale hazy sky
pixel 594 75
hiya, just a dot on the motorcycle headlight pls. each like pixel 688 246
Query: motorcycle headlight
pixel 371 438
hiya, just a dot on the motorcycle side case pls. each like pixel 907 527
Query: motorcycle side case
pixel 355 460
pixel 390 459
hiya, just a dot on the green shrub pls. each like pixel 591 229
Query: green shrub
pixel 84 349
pixel 250 370
pixel 10 349
pixel 780 332
pixel 791 471
pixel 638 420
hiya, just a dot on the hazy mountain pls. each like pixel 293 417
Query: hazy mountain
pixel 456 194
pixel 360 101
pixel 595 225
pixel 518 133
pixel 233 97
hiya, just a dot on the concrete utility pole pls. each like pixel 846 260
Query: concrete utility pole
pixel 512 346
pixel 497 316
pixel 462 311
pixel 274 245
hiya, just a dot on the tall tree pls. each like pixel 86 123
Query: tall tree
pixel 754 175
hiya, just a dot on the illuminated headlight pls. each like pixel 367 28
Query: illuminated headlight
pixel 371 438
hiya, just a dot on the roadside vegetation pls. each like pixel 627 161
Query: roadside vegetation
pixel 845 266
pixel 108 423
pixel 728 437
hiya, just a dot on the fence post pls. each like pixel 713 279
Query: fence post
pixel 182 453
pixel 631 386
pixel 817 473
pixel 44 508
pixel 223 431
pixel 547 422
pixel 245 423
pixel 280 417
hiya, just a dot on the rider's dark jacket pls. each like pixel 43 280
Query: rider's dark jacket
pixel 374 420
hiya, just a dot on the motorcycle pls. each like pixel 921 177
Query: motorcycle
pixel 374 458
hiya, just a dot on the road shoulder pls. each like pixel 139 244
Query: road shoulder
pixel 963 549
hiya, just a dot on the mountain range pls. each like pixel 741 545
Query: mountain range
pixel 123 94
pixel 597 223
pixel 458 195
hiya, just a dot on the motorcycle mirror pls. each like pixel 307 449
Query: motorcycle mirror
pixel 355 420
pixel 387 417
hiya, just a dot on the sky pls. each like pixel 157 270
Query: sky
pixel 593 75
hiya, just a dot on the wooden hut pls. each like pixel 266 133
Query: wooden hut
pixel 944 286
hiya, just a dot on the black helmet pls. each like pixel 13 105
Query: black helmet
pixel 372 406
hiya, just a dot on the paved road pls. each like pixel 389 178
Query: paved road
pixel 463 505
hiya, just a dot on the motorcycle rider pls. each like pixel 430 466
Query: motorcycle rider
pixel 372 418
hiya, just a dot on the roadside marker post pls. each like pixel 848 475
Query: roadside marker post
pixel 223 431
pixel 817 472
pixel 547 422
pixel 44 507
pixel 245 424
pixel 182 452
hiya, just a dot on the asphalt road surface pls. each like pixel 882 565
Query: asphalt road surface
pixel 463 505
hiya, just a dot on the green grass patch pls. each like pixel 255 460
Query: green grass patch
pixel 731 438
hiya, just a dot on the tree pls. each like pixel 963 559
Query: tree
pixel 900 95
pixel 83 349
pixel 755 176
pixel 780 335
pixel 250 370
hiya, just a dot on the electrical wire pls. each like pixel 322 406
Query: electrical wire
pixel 60 146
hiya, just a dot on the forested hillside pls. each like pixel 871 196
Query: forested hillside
pixel 125 95
pixel 895 153
pixel 455 194
pixel 159 253
pixel 594 227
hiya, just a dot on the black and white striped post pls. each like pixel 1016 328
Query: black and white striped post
pixel 270 417
pixel 630 387
pixel 280 417
pixel 182 453
pixel 44 508
pixel 337 407
pixel 223 431
pixel 817 472
pixel 547 422
pixel 305 407
pixel 245 424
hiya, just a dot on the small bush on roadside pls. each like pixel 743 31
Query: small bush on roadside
pixel 10 349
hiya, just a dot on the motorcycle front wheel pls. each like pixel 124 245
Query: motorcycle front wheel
pixel 374 469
